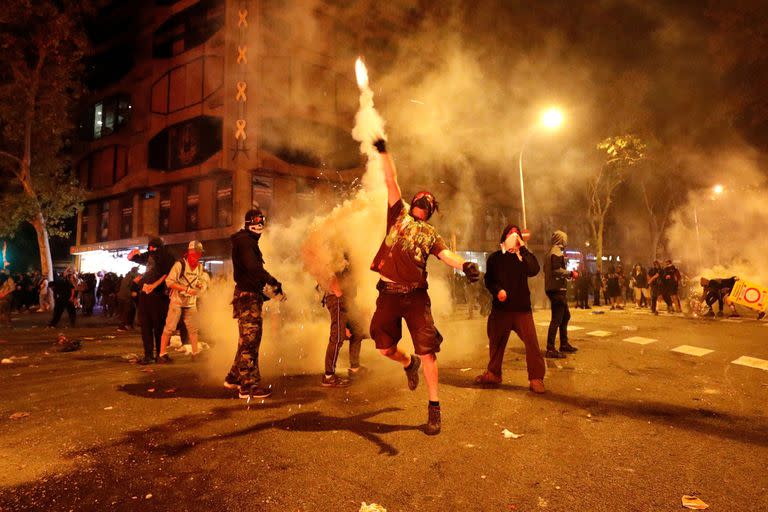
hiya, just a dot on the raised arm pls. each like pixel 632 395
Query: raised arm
pixel 390 173
pixel 470 269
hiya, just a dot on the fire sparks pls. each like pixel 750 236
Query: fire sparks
pixel 361 73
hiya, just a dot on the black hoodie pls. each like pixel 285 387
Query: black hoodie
pixel 248 263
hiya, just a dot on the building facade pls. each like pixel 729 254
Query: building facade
pixel 205 108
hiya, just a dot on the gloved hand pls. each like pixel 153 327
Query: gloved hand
pixel 380 145
pixel 502 295
pixel 471 270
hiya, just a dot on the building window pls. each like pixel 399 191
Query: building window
pixel 224 201
pixel 165 212
pixel 193 202
pixel 186 143
pixel 189 28
pixel 106 116
pixel 126 216
pixel 262 192
pixel 104 167
pixel 84 224
pixel 187 85
pixel 103 235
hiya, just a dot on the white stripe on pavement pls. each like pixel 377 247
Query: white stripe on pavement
pixel 692 351
pixel 599 334
pixel 732 320
pixel 752 362
pixel 640 340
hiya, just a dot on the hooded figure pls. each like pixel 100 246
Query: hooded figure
pixel 555 276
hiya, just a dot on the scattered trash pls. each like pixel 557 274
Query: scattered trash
pixel 597 312
pixel 542 502
pixel 373 507
pixel 108 408
pixel 170 390
pixel 66 345
pixel 693 503
pixel 18 415
pixel 468 445
pixel 110 337
pixel 6 361
pixel 483 477
pixel 148 496
pixel 465 369
pixel 151 390
pixel 175 341
pixel 89 338
pixel 628 327
pixel 131 358
pixel 147 370
pixel 510 435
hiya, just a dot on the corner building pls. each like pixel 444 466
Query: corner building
pixel 203 109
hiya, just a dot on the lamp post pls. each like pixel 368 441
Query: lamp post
pixel 717 190
pixel 550 119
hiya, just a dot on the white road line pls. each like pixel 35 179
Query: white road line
pixel 732 320
pixel 752 362
pixel 599 334
pixel 692 351
pixel 640 340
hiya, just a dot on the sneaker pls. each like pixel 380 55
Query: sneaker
pixel 488 379
pixel 145 361
pixel 412 374
pixel 164 359
pixel 433 420
pixel 122 328
pixel 537 386
pixel 334 381
pixel 255 392
pixel 358 372
pixel 553 354
pixel 761 315
pixel 568 348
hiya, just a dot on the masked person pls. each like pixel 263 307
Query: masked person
pixel 670 285
pixel 402 265
pixel 655 281
pixel 153 301
pixel 186 281
pixel 253 285
pixel 555 276
pixel 506 277
pixel 337 299
pixel 717 290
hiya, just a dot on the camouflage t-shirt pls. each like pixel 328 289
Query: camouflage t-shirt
pixel 403 254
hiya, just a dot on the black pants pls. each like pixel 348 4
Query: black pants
pixel 127 312
pixel 655 294
pixel 582 298
pixel 340 322
pixel 560 316
pixel 59 308
pixel 153 309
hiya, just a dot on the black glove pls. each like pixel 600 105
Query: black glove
pixel 380 145
pixel 471 270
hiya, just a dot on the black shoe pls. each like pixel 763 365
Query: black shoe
pixel 145 361
pixel 358 372
pixel 255 392
pixel 412 372
pixel 568 348
pixel 334 381
pixel 433 420
pixel 553 354
pixel 164 359
pixel 761 315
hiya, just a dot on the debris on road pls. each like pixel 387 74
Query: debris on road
pixel 148 496
pixel 66 345
pixel 373 507
pixel 629 327
pixel 108 408
pixel 510 435
pixel 170 390
pixel 6 361
pixel 465 369
pixel 151 390
pixel 18 415
pixel 13 359
pixel 131 358
pixel 693 503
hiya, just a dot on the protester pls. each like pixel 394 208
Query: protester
pixel 583 285
pixel 86 288
pixel 126 299
pixel 717 290
pixel 555 275
pixel 639 280
pixel 401 263
pixel 253 285
pixel 613 287
pixel 670 285
pixel 186 281
pixel 45 298
pixel 337 299
pixel 64 299
pixel 506 278
pixel 7 286
pixel 153 301
pixel 598 288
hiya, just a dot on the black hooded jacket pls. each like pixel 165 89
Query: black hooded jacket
pixel 248 263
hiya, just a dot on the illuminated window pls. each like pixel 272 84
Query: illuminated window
pixel 224 201
pixel 105 117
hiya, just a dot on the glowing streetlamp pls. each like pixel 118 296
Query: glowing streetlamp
pixel 718 189
pixel 551 119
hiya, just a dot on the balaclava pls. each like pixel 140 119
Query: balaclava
pixel 426 201
pixel 559 241
pixel 255 220
pixel 510 239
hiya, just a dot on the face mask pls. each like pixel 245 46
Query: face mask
pixel 256 226
pixel 193 258
pixel 512 242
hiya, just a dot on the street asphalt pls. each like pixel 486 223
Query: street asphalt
pixel 625 425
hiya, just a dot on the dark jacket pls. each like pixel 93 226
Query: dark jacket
pixel 158 263
pixel 248 263
pixel 505 271
pixel 555 273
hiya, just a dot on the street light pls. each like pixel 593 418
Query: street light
pixel 718 189
pixel 550 119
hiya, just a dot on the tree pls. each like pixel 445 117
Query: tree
pixel 42 44
pixel 621 153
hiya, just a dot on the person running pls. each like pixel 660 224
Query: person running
pixel 555 276
pixel 186 281
pixel 506 277
pixel 153 301
pixel 253 285
pixel 401 262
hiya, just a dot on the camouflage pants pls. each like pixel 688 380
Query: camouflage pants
pixel 245 369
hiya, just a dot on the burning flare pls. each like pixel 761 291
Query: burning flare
pixel 361 73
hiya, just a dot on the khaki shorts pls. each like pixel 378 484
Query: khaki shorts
pixel 642 292
pixel 415 308
pixel 188 315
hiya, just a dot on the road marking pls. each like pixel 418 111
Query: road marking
pixel 692 351
pixel 570 327
pixel 543 324
pixel 600 334
pixel 752 362
pixel 640 340
pixel 732 320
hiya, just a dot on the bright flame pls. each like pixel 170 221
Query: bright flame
pixel 552 118
pixel 361 73
pixel 718 189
